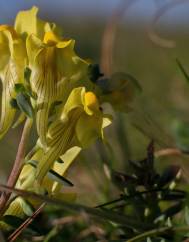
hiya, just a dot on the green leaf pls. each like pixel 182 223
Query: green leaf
pixel 13 103
pixel 173 195
pixel 53 175
pixel 24 104
pixel 168 175
pixel 183 70
pixel 77 208
pixel 171 211
pixel 15 222
pixel 60 179
pixel 27 74
pixel 19 88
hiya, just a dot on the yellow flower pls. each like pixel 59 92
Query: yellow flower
pixel 55 67
pixel 55 70
pixel 27 23
pixel 12 63
pixel 79 123
pixel 58 75
pixel 20 207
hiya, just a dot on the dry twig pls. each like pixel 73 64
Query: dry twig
pixel 109 35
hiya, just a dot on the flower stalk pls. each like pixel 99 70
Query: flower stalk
pixel 17 167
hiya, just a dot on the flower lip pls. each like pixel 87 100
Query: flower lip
pixel 50 38
pixel 91 101
pixel 9 28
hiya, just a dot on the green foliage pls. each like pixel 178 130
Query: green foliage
pixel 148 196
pixel 25 105
pixel 15 222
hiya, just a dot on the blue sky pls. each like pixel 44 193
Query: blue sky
pixel 142 10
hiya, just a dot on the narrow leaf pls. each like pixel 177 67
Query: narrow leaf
pixel 25 104
pixel 18 87
pixel 168 175
pixel 15 222
pixel 53 175
pixel 183 70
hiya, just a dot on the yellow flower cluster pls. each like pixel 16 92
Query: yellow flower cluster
pixel 66 109
pixel 61 97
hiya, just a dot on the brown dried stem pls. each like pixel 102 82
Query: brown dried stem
pixel 109 35
pixel 15 172
pixel 25 224
pixel 168 152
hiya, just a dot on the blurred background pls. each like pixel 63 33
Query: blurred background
pixel 150 35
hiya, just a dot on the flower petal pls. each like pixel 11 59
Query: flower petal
pixel 12 72
pixel 67 158
pixel 75 100
pixel 27 23
pixel 61 143
pixel 88 129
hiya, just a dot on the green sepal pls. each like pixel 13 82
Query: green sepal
pixel 24 104
pixel 18 87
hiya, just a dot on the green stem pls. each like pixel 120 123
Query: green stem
pixel 15 172
pixel 154 232
pixel 127 197
pixel 77 208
